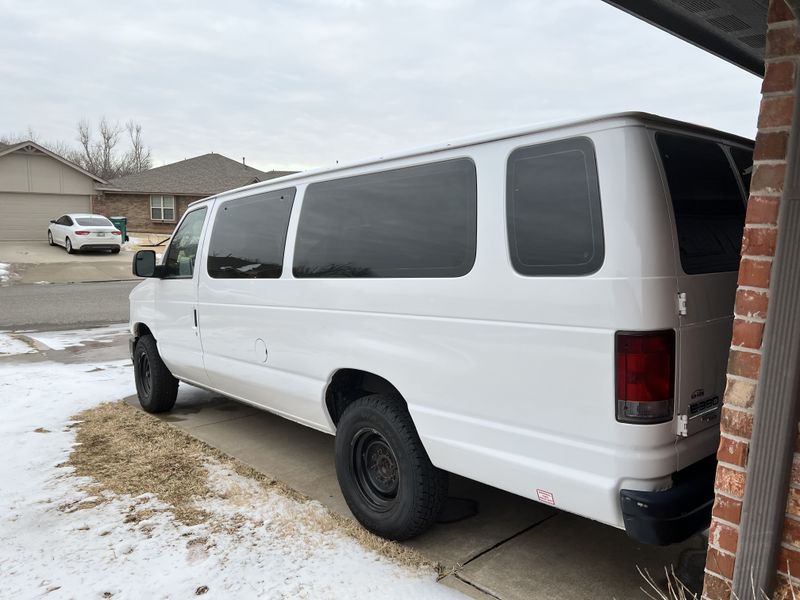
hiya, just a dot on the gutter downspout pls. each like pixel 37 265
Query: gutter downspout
pixel 776 407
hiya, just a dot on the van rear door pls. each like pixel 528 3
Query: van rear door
pixel 706 182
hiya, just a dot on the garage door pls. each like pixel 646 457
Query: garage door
pixel 26 216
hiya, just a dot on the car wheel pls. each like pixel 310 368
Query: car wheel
pixel 68 246
pixel 155 385
pixel 383 470
pixel 50 238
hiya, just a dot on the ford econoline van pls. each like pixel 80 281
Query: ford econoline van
pixel 547 311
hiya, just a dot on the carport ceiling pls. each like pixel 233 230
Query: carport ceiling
pixel 732 29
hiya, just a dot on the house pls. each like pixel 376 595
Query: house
pixel 154 200
pixel 37 185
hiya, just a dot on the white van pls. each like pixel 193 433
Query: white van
pixel 547 311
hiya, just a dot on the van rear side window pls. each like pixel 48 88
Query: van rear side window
pixel 249 236
pixel 553 207
pixel 707 201
pixel 417 221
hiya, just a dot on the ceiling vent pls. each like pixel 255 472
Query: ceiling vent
pixel 698 6
pixel 729 23
pixel 757 41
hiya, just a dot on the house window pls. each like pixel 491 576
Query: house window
pixel 162 208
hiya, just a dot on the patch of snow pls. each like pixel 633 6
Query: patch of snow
pixel 58 340
pixel 42 282
pixel 5 272
pixel 10 344
pixel 51 545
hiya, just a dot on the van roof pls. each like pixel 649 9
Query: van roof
pixel 591 123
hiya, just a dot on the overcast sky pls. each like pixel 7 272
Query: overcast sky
pixel 300 83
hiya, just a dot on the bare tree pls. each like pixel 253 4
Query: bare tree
pixel 139 158
pixel 59 147
pixel 99 154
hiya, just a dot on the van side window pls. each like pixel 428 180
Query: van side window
pixel 417 221
pixel 707 202
pixel 179 262
pixel 249 236
pixel 553 209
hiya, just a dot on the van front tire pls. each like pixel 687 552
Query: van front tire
pixel 155 385
pixel 383 470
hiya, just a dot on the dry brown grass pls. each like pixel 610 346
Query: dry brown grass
pixel 129 452
pixel 675 589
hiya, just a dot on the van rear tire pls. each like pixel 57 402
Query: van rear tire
pixel 384 473
pixel 156 387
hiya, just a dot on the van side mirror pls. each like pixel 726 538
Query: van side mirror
pixel 144 264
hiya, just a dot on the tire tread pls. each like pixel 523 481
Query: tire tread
pixel 430 492
pixel 163 385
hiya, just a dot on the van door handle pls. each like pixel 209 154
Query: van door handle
pixel 194 313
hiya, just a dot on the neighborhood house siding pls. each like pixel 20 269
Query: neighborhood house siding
pixel 136 207
pixel 35 188
pixel 41 174
pixel 185 181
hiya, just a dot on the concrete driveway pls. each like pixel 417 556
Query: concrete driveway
pixel 511 549
pixel 38 262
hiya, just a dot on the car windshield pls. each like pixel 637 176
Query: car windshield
pixel 94 222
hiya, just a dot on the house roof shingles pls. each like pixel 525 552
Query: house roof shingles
pixel 199 176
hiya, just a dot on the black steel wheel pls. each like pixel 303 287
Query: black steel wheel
pixel 383 470
pixel 156 387
pixel 375 468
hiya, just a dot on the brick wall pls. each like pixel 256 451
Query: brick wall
pixel 752 303
pixel 137 208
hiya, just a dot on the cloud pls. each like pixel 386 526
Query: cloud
pixel 307 82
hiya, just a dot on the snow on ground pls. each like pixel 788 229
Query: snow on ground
pixel 52 546
pixel 59 340
pixel 5 272
pixel 10 344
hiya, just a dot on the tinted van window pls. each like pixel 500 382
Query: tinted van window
pixel 414 222
pixel 707 202
pixel 249 236
pixel 553 209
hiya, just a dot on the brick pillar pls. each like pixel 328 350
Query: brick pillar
pixel 752 301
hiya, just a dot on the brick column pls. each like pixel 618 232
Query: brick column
pixel 752 302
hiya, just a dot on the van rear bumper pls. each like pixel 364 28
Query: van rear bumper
pixel 673 515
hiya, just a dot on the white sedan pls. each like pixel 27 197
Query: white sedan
pixel 84 232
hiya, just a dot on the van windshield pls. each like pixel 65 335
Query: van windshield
pixel 707 200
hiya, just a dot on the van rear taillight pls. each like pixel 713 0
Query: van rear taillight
pixel 645 370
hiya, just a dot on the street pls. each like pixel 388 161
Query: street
pixel 64 305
